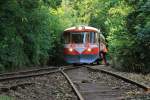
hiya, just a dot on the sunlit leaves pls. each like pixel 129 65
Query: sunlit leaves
pixel 30 30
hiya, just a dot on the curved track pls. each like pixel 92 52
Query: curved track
pixel 104 89
pixel 9 77
pixel 27 71
pixel 143 86
pixel 78 77
pixel 33 73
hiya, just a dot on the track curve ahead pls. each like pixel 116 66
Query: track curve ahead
pixel 100 87
pixel 86 84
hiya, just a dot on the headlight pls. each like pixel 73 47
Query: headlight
pixel 70 49
pixel 89 49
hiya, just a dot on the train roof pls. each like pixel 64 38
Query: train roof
pixel 81 29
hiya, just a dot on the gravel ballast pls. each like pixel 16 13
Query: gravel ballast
pixel 134 94
pixel 48 87
pixel 143 79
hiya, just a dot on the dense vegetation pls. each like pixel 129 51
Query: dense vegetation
pixel 30 30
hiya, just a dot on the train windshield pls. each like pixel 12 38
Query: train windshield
pixel 80 37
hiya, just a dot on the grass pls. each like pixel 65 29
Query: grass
pixel 2 97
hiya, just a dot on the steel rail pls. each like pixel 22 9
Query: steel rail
pixel 57 70
pixel 37 74
pixel 143 86
pixel 27 76
pixel 80 97
pixel 27 71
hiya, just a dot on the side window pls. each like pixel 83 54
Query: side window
pixel 102 38
pixel 92 37
pixel 87 37
pixel 96 37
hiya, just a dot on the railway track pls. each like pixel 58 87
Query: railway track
pixel 82 85
pixel 27 71
pixel 33 73
pixel 143 86
pixel 14 81
pixel 101 90
pixel 80 97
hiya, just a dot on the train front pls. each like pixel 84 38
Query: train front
pixel 81 45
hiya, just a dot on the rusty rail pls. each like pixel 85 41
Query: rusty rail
pixel 80 97
pixel 143 86
pixel 33 73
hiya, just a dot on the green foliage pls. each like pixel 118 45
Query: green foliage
pixel 11 43
pixel 126 25
pixel 52 3
pixel 138 23
pixel 30 33
pixel 30 30
pixel 134 55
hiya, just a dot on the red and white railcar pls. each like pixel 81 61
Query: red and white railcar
pixel 82 44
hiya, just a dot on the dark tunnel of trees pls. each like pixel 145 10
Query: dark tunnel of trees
pixel 30 30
